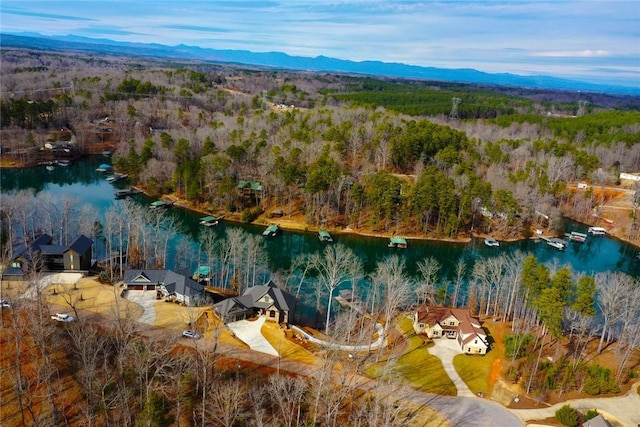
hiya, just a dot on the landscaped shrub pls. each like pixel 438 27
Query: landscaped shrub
pixel 591 413
pixel 568 416
pixel 599 380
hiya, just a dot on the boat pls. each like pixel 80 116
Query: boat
pixel 577 237
pixel 126 192
pixel 116 177
pixel 397 242
pixel 555 242
pixel 160 204
pixel 104 168
pixel 64 163
pixel 597 230
pixel 106 153
pixel 490 241
pixel 324 236
pixel 271 230
pixel 209 221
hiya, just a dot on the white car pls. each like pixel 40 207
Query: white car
pixel 60 317
pixel 191 334
pixel 5 304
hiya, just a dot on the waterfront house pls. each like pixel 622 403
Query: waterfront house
pixel 453 323
pixel 269 300
pixel 42 255
pixel 167 283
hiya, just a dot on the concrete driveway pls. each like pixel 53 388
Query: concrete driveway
pixel 146 300
pixel 366 347
pixel 446 349
pixel 250 332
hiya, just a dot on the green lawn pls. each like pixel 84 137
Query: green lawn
pixel 475 370
pixel 416 366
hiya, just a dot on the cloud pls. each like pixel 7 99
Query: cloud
pixel 521 36
pixel 573 54
pixel 187 27
pixel 45 15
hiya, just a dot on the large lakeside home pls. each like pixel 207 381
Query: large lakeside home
pixel 453 323
pixel 167 283
pixel 269 300
pixel 42 255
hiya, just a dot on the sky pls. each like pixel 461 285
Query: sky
pixel 590 40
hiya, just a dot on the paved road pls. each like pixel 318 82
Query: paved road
pixel 623 409
pixel 459 411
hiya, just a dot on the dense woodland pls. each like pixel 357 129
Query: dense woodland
pixel 345 151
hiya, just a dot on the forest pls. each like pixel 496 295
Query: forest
pixel 346 152
pixel 373 155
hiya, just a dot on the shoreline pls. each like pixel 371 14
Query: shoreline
pixel 297 225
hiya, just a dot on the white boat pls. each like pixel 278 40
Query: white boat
pixel 577 237
pixel 557 243
pixel 597 230
pixel 209 221
pixel 116 177
pixel 490 241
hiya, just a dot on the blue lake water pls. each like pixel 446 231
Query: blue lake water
pixel 599 253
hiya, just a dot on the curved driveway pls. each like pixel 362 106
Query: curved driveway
pixel 446 349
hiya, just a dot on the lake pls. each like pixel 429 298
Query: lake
pixel 82 181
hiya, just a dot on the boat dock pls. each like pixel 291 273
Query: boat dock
pixel 126 193
pixel 555 242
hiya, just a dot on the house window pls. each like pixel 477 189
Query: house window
pixel 421 325
pixel 435 333
pixel 272 313
pixel 468 349
pixel 71 256
pixel 452 323
pixel 475 342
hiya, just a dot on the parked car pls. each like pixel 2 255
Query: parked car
pixel 5 304
pixel 191 334
pixel 61 317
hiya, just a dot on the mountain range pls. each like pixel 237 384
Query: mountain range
pixel 279 60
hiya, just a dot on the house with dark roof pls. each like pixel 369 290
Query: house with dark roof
pixel 452 323
pixel 269 300
pixel 167 283
pixel 42 255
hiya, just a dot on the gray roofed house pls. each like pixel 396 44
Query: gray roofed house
pixel 169 283
pixel 277 304
pixel 41 254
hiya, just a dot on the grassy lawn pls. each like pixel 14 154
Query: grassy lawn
pixel 90 295
pixel 417 366
pixel 475 371
pixel 284 346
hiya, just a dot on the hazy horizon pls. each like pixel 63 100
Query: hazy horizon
pixel 592 41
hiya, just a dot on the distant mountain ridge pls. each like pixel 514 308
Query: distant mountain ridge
pixel 317 64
